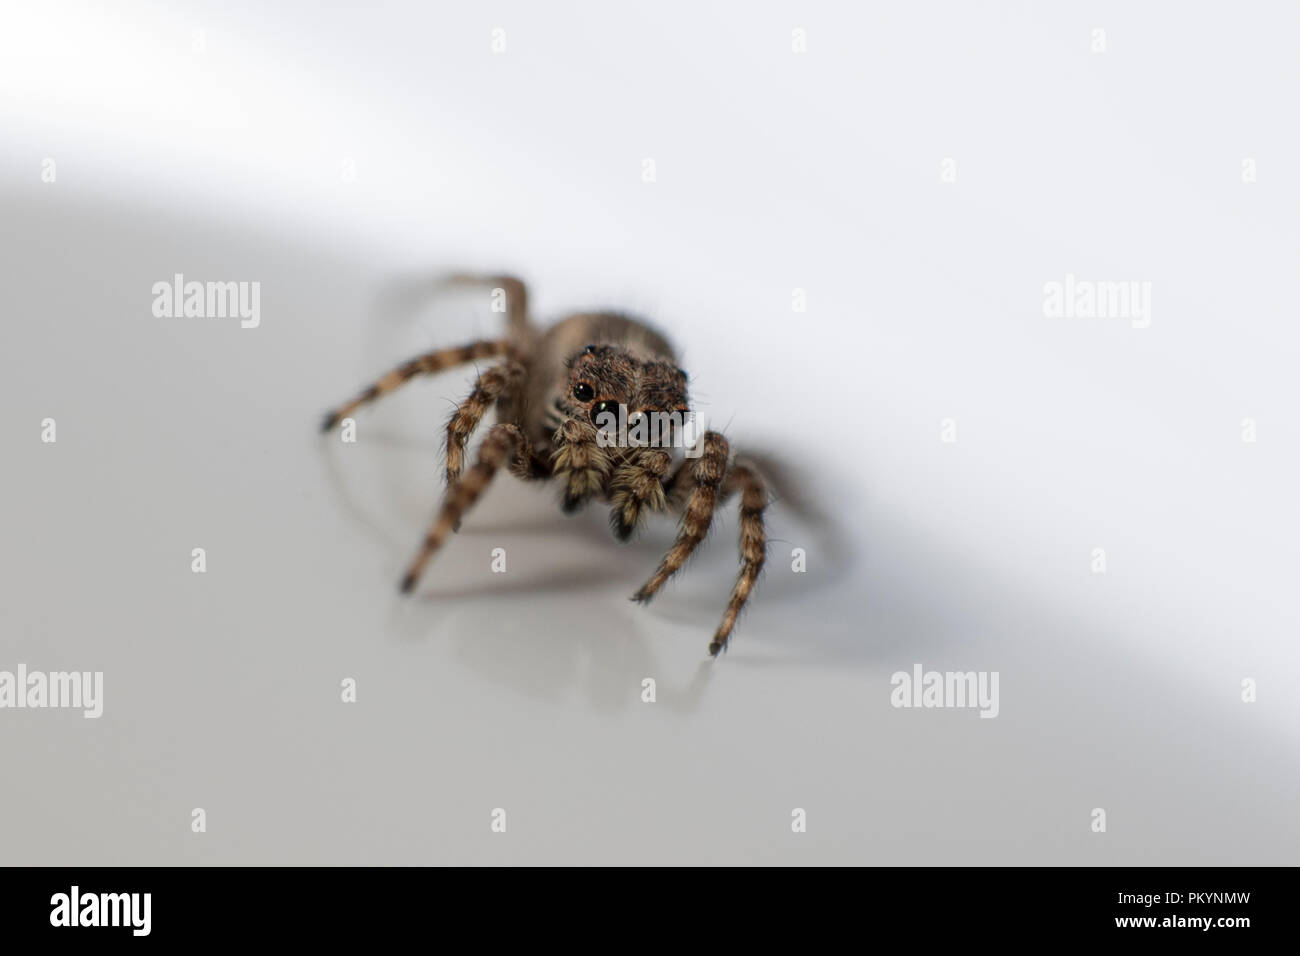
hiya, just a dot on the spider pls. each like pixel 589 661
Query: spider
pixel 550 389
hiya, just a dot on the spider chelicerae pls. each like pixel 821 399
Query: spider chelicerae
pixel 553 389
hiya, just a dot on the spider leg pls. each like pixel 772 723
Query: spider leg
pixel 678 485
pixel 488 387
pixel 637 485
pixel 504 443
pixel 516 297
pixel 581 460
pixel 429 364
pixel 705 475
pixel 753 544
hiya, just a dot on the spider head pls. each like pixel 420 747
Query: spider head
pixel 601 378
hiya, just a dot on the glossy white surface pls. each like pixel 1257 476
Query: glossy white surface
pixel 522 690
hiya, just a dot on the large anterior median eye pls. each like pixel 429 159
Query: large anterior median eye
pixel 583 392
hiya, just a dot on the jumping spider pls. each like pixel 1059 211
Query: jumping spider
pixel 550 389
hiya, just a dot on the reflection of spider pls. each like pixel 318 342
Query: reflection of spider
pixel 549 390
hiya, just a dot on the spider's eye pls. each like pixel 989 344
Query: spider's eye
pixel 589 349
pixel 583 392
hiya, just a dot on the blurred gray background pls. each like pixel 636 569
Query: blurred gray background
pixel 345 159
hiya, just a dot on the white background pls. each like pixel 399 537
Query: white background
pixel 775 171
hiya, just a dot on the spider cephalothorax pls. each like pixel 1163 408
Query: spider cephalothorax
pixel 603 377
pixel 565 398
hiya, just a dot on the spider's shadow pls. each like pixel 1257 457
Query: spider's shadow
pixel 558 617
